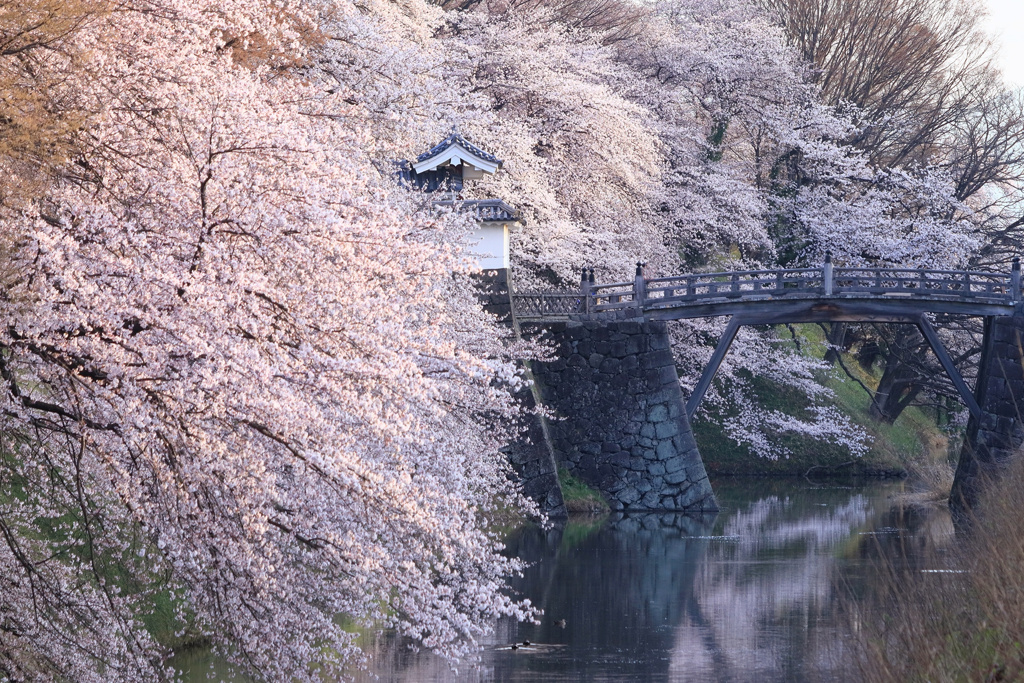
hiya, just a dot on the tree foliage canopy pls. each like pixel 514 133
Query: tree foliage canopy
pixel 245 373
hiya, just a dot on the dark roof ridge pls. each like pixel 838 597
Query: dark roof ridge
pixel 455 137
pixel 485 210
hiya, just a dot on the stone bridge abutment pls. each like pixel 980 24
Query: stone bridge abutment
pixel 996 437
pixel 620 422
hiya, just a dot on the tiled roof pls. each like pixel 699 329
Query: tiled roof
pixel 456 138
pixel 485 210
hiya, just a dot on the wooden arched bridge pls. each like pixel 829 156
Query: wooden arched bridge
pixel 768 297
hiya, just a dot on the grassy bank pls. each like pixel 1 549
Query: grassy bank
pixel 580 498
pixel 913 443
pixel 961 624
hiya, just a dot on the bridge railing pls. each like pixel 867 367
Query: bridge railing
pixel 750 284
pixel 613 297
pixel 946 284
pixel 827 281
pixel 547 305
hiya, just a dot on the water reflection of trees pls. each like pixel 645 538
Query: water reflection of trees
pixel 621 590
pixel 772 593
pixel 756 594
pixel 765 589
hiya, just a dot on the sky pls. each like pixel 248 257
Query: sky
pixel 1006 24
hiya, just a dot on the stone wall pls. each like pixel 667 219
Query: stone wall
pixel 493 293
pixel 992 441
pixel 534 463
pixel 622 426
pixel 531 457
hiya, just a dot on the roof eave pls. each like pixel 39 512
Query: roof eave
pixel 515 220
pixel 457 151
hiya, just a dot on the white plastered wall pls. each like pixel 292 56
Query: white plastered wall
pixel 491 245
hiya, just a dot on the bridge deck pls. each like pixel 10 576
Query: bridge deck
pixel 791 295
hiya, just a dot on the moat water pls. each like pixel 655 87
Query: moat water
pixel 761 592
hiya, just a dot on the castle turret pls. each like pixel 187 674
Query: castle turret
pixel 442 171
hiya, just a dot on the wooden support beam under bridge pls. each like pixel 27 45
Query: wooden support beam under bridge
pixel 819 314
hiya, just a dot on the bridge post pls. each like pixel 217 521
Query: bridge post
pixel 712 367
pixel 947 363
pixel 826 273
pixel 591 299
pixel 639 287
pixel 586 284
pixel 1015 279
pixel 995 438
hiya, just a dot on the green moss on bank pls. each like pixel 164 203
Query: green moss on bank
pixel 580 498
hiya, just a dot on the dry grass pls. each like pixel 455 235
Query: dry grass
pixel 964 625
pixel 931 480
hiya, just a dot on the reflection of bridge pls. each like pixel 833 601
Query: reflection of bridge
pixel 767 297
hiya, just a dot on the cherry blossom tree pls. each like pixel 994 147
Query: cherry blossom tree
pixel 928 103
pixel 386 62
pixel 734 106
pixel 39 112
pixel 239 373
pixel 245 375
pixel 582 158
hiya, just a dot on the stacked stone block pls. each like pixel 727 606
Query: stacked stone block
pixel 621 422
pixel 492 291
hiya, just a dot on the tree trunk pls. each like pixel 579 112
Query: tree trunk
pixel 836 339
pixel 900 383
